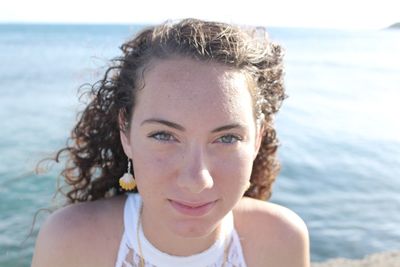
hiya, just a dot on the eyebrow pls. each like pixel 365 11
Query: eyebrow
pixel 228 127
pixel 165 122
pixel 181 128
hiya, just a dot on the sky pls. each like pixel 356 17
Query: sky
pixel 348 14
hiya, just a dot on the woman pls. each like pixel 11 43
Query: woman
pixel 183 121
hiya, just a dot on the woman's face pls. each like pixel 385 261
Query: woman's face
pixel 192 141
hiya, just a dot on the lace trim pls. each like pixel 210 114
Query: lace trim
pixel 132 259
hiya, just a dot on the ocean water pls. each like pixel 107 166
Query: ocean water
pixel 339 129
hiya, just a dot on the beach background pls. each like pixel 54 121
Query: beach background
pixel 339 129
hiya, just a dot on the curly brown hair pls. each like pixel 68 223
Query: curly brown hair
pixel 95 155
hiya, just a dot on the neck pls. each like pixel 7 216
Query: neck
pixel 166 240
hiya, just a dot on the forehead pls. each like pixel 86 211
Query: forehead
pixel 193 88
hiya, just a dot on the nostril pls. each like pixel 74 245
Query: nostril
pixel 194 174
pixel 196 182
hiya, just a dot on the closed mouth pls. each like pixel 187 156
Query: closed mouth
pixel 192 208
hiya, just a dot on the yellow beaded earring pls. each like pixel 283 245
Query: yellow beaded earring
pixel 127 181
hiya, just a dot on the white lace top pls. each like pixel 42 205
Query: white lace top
pixel 212 257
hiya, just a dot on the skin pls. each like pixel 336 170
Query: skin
pixel 203 154
pixel 199 151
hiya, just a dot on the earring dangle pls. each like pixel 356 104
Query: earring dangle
pixel 127 181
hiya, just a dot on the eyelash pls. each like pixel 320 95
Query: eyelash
pixel 160 136
pixel 157 137
pixel 235 137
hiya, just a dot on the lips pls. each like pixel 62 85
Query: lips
pixel 192 209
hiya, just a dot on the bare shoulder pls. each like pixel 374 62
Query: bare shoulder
pixel 81 234
pixel 271 235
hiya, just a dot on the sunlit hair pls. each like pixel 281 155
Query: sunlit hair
pixel 95 156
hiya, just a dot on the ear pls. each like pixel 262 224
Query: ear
pixel 124 135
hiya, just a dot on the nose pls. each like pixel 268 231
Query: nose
pixel 195 175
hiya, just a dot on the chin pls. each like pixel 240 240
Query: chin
pixel 193 228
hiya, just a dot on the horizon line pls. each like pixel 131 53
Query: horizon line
pixel 120 23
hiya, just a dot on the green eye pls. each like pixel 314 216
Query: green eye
pixel 229 139
pixel 162 136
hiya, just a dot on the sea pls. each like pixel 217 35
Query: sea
pixel 339 129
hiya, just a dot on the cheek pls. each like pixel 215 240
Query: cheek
pixel 154 167
pixel 233 170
